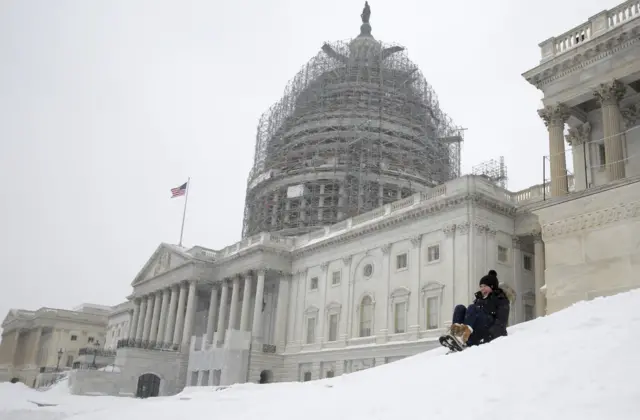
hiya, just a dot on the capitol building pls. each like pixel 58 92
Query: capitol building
pixel 360 234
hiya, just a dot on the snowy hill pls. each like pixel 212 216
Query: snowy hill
pixel 582 363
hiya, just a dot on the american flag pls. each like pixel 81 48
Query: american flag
pixel 179 191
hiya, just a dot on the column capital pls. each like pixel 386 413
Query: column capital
pixel 449 230
pixel 554 114
pixel 261 271
pixel 610 93
pixel 578 135
pixel 347 260
pixel 324 266
pixel 415 241
pixel 515 242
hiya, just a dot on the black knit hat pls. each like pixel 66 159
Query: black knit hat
pixel 490 280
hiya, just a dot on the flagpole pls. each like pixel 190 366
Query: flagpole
pixel 184 212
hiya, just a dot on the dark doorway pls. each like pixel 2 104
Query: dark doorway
pixel 266 377
pixel 148 386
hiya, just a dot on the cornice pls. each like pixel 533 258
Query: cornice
pixel 591 220
pixel 438 206
pixel 592 52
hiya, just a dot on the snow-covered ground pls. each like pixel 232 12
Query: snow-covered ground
pixel 582 363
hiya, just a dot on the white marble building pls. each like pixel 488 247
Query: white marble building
pixel 382 285
pixel 366 291
pixel 590 77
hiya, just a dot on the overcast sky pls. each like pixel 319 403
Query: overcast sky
pixel 107 105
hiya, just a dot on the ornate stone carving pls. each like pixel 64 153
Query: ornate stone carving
pixel 592 220
pixel 610 93
pixel 347 260
pixel 492 231
pixel 463 228
pixel 554 114
pixel 415 241
pixel 578 135
pixel 631 115
pixel 449 230
pixel 386 248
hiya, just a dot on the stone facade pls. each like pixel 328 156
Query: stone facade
pixel 46 340
pixel 366 291
pixel 590 78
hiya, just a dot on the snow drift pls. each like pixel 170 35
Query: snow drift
pixel 581 363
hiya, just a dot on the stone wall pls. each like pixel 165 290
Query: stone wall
pixel 95 382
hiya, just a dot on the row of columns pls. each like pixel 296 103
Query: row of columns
pixel 221 309
pixel 555 117
pixel 161 317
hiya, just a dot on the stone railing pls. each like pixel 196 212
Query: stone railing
pixel 597 25
pixel 147 345
pixel 538 192
pixel 85 351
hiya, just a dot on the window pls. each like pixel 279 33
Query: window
pixel 335 277
pixel 528 313
pixel 314 283
pixel 527 262
pixel 601 154
pixel 433 253
pixel 74 338
pixel 366 316
pixel 90 340
pixel 503 254
pixel 307 377
pixel 368 270
pixel 400 318
pixel 432 312
pixel 333 327
pixel 401 261
pixel 329 374
pixel 311 330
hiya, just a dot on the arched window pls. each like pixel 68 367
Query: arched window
pixel 366 316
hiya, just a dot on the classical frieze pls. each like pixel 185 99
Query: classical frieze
pixel 592 220
pixel 590 53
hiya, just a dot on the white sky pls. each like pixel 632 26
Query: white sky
pixel 107 105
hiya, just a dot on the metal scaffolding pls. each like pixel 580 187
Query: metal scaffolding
pixel 357 127
pixel 493 170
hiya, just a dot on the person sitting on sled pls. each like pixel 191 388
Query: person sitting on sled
pixel 486 318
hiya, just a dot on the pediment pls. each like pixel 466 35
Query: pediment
pixel 164 259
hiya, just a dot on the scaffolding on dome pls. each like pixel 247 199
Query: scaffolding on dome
pixel 358 127
pixel 493 170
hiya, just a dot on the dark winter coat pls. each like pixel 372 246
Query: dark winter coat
pixel 496 306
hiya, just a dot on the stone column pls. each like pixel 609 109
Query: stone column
pixel 190 316
pixel 517 281
pixel 153 335
pixel 609 95
pixel 134 320
pixel 143 312
pixel 235 296
pixel 163 317
pixel 222 315
pixel 171 320
pixel 33 358
pixel 213 308
pixel 147 319
pixel 282 309
pixel 182 299
pixel 554 118
pixel 246 302
pixel 538 247
pixel 14 347
pixel 257 309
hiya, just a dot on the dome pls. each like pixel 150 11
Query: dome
pixel 357 128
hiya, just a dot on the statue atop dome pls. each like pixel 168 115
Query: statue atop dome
pixel 366 13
